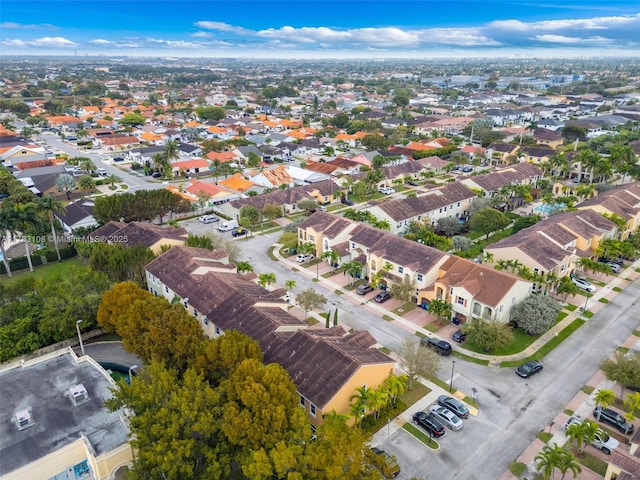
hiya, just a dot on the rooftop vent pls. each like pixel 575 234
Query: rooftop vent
pixel 23 419
pixel 78 394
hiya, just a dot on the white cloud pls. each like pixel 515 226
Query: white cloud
pixel 596 23
pixel 14 25
pixel 47 42
pixel 221 27
pixel 565 39
pixel 201 35
pixel 101 41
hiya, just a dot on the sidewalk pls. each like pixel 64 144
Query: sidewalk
pixel 592 301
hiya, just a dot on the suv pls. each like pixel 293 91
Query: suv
pixel 386 190
pixel 440 346
pixel 303 257
pixel 583 284
pixel 347 201
pixel 238 232
pixel 602 440
pixel 459 336
pixel 382 297
pixel 429 423
pixel 613 418
pixel 364 288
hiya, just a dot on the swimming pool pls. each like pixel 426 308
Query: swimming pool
pixel 549 208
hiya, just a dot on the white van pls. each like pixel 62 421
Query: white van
pixel 229 225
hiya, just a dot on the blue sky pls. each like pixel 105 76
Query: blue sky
pixel 322 29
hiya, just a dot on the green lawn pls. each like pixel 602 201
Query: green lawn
pixel 521 341
pixel 44 271
pixel 593 463
pixel 517 468
pixel 468 358
pixel 549 346
pixel 410 397
pixel 420 435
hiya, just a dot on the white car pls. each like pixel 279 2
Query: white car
pixel 447 417
pixel 303 257
pixel 386 190
pixel 102 172
pixel 602 441
pixel 584 284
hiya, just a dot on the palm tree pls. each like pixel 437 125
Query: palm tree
pixel 395 386
pixel 244 267
pixel 549 458
pixel 359 407
pixel 25 220
pixel 353 269
pixel 440 308
pixel 171 150
pixel 87 165
pixel 65 183
pixel 112 179
pixel 289 285
pixel 633 405
pixel 569 462
pixel 307 248
pixel 604 398
pixel 582 434
pixel 266 279
pixel 378 399
pixel 332 255
pixel 50 207
pixel 6 232
pixel 86 183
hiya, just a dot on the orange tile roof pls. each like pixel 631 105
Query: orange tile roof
pixel 150 137
pixel 191 124
pixel 195 163
pixel 176 190
pixel 297 134
pixel 419 146
pixel 291 123
pixel 237 182
pixel 59 119
pixel 214 129
pixel 221 156
pixel 211 189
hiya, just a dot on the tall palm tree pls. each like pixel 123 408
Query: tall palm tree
pixel 568 463
pixel 332 255
pixel 582 434
pixel 266 279
pixel 86 183
pixel 112 179
pixel 244 267
pixel 359 407
pixel 378 399
pixel 6 232
pixel 395 386
pixel 50 207
pixel 549 458
pixel 289 285
pixel 26 221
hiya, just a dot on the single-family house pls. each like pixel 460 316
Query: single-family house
pixel 78 214
pixel 148 235
pixel 623 201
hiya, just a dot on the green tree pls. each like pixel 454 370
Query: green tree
pixel 65 183
pixel 252 213
pixel 112 179
pixel 582 434
pixel 449 226
pixel 360 403
pixel 210 113
pixel 132 119
pixel 307 205
pixel 403 291
pixel 266 279
pixel 604 398
pixel 289 240
pixel 395 386
pixel 353 269
pixel 24 219
pixel 86 183
pixel 309 300
pixel 566 287
pixel 417 360
pixel 271 211
pixel 489 335
pixel 623 368
pixel 50 207
pixel 536 313
pixel 244 267
pixel 488 220
pixel 441 309
pixel 632 402
pixel 554 456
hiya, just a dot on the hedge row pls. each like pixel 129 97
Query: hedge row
pixel 45 255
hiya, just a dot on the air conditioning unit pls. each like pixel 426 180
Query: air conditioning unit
pixel 23 419
pixel 78 394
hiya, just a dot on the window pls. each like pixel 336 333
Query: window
pixel 205 320
pixel 195 313
pixel 458 204
pixel 513 301
pixel 460 301
pixel 419 217
pixel 353 245
pixel 312 238
pixel 186 304
pixel 217 331
pixel 400 270
pixel 302 401
pixel 312 409
pixel 166 289
pixel 419 277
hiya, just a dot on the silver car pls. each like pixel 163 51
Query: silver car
pixel 447 417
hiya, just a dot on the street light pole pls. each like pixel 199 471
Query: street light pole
pixel 453 365
pixel 78 322
pixel 131 369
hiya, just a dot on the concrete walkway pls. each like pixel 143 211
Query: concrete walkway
pixel 592 303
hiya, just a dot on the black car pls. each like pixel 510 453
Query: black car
pixel 346 201
pixel 238 232
pixel 459 336
pixel 439 346
pixel 382 297
pixel 156 175
pixel 430 423
pixel 530 368
pixel 453 404
pixel 613 418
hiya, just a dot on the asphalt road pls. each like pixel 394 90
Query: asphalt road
pixel 512 410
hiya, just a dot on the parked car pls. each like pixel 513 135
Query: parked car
pixel 385 463
pixel 615 268
pixel 364 289
pixel 209 219
pixel 530 368
pixel 347 201
pixel 382 297
pixel 118 159
pixel 613 418
pixel 584 284
pixel 602 441
pixel 459 336
pixel 439 346
pixel 430 423
pixel 453 404
pixel 467 169
pixel 102 172
pixel 386 190
pixel 447 417
pixel 238 232
pixel 303 257
pixel 156 175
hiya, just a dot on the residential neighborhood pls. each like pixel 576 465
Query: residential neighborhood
pixel 320 263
